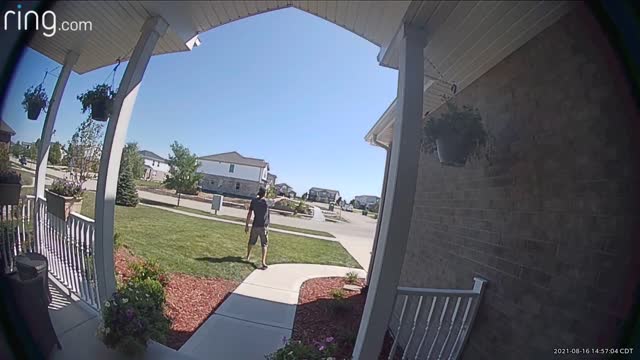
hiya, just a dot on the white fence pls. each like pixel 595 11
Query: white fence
pixel 16 232
pixel 433 323
pixel 68 245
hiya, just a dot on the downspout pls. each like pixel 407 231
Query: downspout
pixel 381 207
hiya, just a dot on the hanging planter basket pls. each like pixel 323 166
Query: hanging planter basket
pixel 99 101
pixel 99 109
pixel 453 149
pixel 35 99
pixel 456 135
pixel 33 110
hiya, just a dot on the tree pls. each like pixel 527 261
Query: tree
pixel 17 149
pixel 271 192
pixel 55 153
pixel 305 196
pixel 183 166
pixel 84 150
pixel 133 160
pixel 33 150
pixel 126 193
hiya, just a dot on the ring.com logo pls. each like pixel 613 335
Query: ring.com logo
pixel 48 21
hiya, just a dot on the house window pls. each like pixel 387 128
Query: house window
pixel 212 182
pixel 237 186
pixel 232 167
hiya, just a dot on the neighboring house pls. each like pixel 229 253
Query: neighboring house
pixel 232 174
pixel 156 168
pixel 365 201
pixel 284 189
pixel 271 179
pixel 323 195
pixel 6 132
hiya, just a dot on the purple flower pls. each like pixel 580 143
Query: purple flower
pixel 321 347
pixel 329 339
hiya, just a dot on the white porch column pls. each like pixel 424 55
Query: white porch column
pixel 398 202
pixel 49 121
pixel 152 31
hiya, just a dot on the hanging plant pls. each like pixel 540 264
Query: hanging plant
pixel 456 134
pixel 35 99
pixel 99 100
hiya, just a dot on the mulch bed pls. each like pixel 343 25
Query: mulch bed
pixel 318 316
pixel 190 300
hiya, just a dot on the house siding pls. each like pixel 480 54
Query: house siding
pixel 550 219
pixel 227 186
pixel 241 172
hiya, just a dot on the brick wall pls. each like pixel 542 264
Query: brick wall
pixel 550 220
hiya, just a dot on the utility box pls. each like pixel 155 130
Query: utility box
pixel 216 203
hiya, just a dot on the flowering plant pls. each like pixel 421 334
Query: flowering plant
pixel 148 269
pixel 297 350
pixel 66 188
pixel 133 315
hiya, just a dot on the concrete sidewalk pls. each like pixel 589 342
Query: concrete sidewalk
pixel 258 315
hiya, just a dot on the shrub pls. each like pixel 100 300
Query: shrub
pixel 148 269
pixel 297 350
pixel 66 188
pixel 351 277
pixel 134 315
pixel 338 294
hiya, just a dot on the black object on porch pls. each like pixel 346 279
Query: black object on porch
pixel 25 297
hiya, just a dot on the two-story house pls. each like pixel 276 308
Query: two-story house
pixel 323 195
pixel 283 189
pixel 365 201
pixel 232 174
pixel 156 167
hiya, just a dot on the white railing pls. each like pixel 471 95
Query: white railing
pixel 433 323
pixel 16 231
pixel 69 247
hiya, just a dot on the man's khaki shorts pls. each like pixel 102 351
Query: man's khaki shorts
pixel 262 233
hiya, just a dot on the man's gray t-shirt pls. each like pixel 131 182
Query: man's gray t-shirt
pixel 260 209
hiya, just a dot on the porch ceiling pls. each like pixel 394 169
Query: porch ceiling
pixel 467 38
pixel 117 24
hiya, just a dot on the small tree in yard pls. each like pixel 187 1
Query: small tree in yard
pixel 131 156
pixel 55 153
pixel 182 175
pixel 126 194
pixel 84 149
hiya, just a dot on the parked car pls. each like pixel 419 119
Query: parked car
pixel 348 208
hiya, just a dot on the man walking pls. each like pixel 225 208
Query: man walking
pixel 260 227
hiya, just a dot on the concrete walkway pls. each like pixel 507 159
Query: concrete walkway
pixel 258 315
pixel 317 214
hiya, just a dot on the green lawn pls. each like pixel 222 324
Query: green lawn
pixel 235 218
pixel 202 247
pixel 27 177
pixel 148 184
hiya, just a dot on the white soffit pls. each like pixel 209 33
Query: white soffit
pixel 466 39
pixel 117 24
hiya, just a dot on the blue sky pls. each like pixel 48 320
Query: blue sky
pixel 284 86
